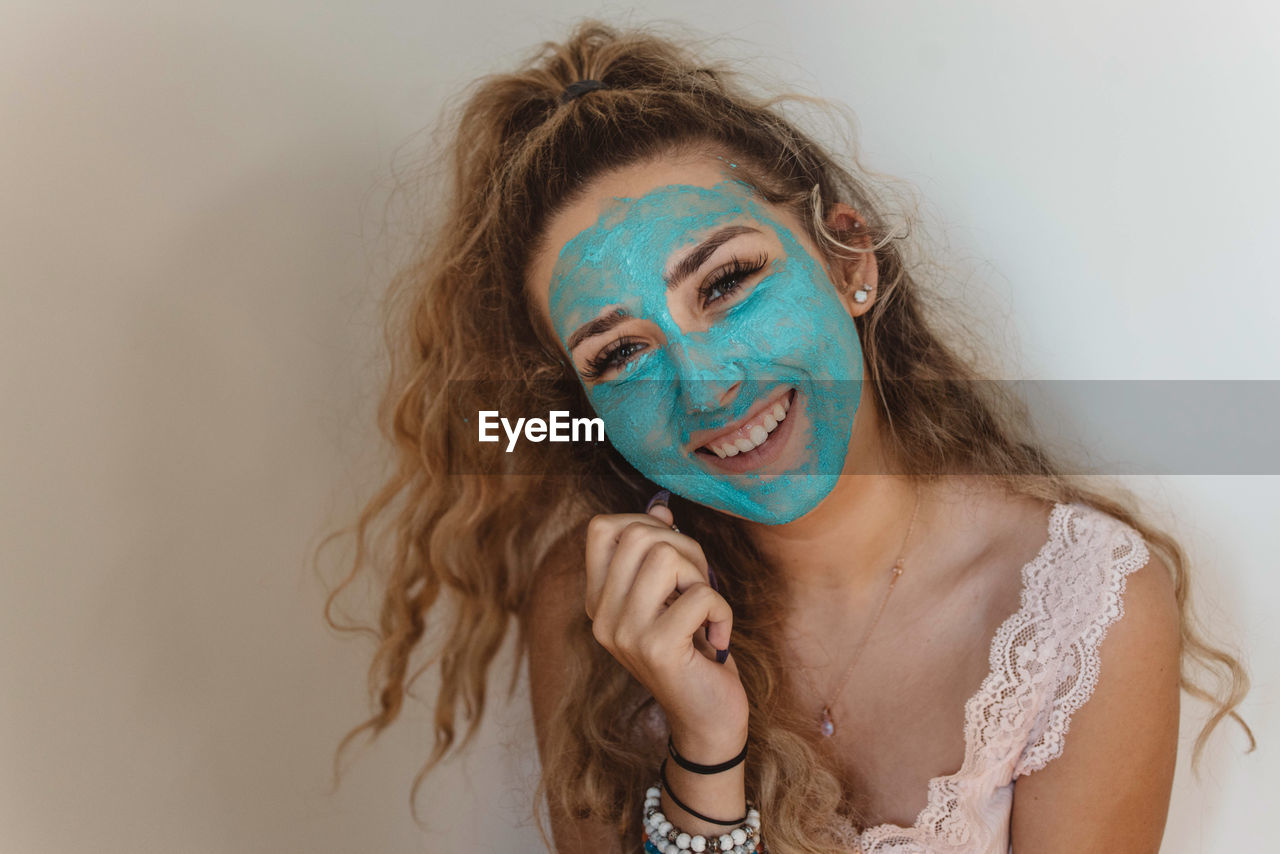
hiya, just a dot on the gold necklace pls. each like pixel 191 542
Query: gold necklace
pixel 826 725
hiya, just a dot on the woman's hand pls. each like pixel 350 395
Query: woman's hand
pixel 648 598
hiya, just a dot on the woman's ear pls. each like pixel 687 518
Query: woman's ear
pixel 855 277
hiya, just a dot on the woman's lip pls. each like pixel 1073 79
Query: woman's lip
pixel 755 413
pixel 763 455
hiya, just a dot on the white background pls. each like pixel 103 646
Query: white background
pixel 194 230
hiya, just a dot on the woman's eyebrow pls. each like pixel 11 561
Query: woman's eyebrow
pixel 696 257
pixel 599 326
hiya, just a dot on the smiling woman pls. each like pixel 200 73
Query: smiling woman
pixel 689 358
pixel 884 603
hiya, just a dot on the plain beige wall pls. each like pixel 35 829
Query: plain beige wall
pixel 193 237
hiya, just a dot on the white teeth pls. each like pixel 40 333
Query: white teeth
pixel 756 433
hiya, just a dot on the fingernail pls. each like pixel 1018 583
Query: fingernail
pixel 662 496
pixel 722 655
pixel 711 576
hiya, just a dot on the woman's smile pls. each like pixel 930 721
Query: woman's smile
pixel 757 441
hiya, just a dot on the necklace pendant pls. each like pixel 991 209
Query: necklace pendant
pixel 827 725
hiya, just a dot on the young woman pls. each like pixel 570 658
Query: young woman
pixel 865 607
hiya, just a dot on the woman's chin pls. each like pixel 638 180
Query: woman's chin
pixel 777 500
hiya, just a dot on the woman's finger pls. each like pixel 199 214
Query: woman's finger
pixel 603 532
pixel 663 571
pixel 634 543
pixel 697 605
pixel 618 543
pixel 662 513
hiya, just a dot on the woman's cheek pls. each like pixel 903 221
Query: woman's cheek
pixel 772 328
pixel 639 419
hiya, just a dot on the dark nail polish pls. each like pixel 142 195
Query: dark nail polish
pixel 662 496
pixel 722 655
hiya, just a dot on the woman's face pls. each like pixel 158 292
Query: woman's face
pixel 708 335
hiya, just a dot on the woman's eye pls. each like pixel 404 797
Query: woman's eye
pixel 612 357
pixel 728 279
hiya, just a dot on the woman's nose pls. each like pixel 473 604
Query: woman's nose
pixel 707 380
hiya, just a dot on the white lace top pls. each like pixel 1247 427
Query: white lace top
pixel 1043 667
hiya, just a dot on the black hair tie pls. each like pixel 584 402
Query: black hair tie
pixel 662 772
pixel 705 769
pixel 579 87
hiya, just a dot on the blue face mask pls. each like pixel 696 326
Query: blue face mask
pixel 788 330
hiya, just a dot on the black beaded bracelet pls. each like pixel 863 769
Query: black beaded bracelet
pixel 705 769
pixel 667 788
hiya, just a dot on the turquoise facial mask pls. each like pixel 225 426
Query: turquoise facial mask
pixel 789 329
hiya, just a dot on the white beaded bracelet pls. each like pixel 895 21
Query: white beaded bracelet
pixel 669 839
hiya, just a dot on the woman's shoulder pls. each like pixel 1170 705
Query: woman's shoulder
pixel 1072 545
pixel 1129 591
pixel 1094 556
pixel 1090 575
pixel 1088 567
pixel 1107 628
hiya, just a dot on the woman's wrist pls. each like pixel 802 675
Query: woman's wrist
pixel 720 795
pixel 708 747
pixel 697 768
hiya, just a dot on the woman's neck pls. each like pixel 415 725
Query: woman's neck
pixel 839 554
pixel 843 549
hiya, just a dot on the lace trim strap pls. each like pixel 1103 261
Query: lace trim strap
pixel 1082 597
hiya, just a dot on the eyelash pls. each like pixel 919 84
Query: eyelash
pixel 734 271
pixel 606 358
